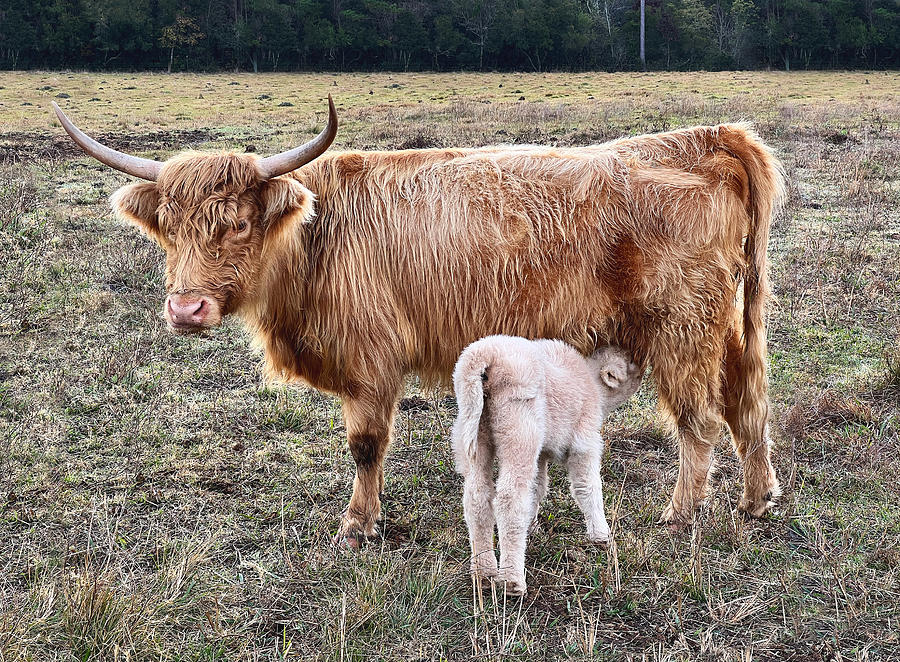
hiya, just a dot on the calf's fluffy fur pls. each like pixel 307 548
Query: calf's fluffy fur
pixel 528 403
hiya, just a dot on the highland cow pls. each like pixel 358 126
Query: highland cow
pixel 356 269
pixel 527 403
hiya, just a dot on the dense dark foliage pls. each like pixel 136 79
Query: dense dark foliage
pixel 267 35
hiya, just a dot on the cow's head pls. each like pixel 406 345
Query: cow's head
pixel 214 214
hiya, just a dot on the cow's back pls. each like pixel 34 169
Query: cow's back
pixel 582 244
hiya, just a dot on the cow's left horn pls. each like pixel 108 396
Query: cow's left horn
pixel 133 165
pixel 272 166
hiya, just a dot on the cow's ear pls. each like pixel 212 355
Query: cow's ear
pixel 137 203
pixel 286 204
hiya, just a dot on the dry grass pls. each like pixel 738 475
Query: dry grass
pixel 158 501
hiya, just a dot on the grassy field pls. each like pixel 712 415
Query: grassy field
pixel 159 501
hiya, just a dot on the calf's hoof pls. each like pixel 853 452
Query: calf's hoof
pixel 600 539
pixel 511 584
pixel 482 567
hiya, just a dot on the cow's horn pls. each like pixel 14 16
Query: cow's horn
pixel 133 165
pixel 272 166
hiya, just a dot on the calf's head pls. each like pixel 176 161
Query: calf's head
pixel 617 374
pixel 214 215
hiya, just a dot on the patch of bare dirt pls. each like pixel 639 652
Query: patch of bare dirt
pixel 19 146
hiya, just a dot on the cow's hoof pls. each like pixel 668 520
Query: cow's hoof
pixel 352 535
pixel 676 519
pixel 350 542
pixel 601 540
pixel 756 508
pixel 756 502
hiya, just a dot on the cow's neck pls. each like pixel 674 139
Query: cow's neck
pixel 282 317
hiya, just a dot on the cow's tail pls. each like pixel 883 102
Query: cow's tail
pixel 468 383
pixel 766 195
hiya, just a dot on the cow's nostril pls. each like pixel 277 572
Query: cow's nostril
pixel 200 311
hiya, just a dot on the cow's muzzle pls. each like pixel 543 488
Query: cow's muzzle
pixel 189 313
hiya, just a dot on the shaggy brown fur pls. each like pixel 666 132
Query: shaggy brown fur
pixel 410 256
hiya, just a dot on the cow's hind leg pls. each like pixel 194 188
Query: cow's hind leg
pixel 746 410
pixel 697 431
pixel 369 422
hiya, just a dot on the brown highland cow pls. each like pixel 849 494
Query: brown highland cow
pixel 355 269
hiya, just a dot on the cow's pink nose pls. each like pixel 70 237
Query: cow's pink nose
pixel 186 310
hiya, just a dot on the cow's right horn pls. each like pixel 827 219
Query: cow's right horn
pixel 280 164
pixel 133 165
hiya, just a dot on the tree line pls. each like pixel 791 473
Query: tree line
pixel 288 35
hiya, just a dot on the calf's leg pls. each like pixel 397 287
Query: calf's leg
pixel 369 423
pixel 541 484
pixel 517 440
pixel 587 487
pixel 478 497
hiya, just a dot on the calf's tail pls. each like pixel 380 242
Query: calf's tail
pixel 468 383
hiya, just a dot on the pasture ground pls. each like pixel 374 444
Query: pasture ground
pixel 158 501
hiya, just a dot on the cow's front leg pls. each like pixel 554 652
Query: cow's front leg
pixel 369 422
pixel 697 432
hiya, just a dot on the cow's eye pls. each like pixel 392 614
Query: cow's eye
pixel 241 227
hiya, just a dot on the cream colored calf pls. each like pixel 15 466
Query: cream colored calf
pixel 526 403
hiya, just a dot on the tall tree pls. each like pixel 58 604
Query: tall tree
pixel 122 26
pixel 643 21
pixel 608 15
pixel 441 34
pixel 478 18
pixel 183 32
pixel 17 32
pixel 695 25
pixel 744 22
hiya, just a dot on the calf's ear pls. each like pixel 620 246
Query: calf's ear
pixel 613 376
pixel 286 204
pixel 137 203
